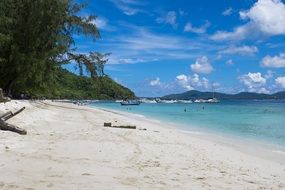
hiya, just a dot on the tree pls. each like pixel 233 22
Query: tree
pixel 93 62
pixel 35 37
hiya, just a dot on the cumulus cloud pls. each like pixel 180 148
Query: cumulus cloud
pixel 184 82
pixel 274 61
pixel 192 81
pixel 240 50
pixel 199 30
pixel 266 17
pixel 202 65
pixel 170 18
pixel 228 11
pixel 269 74
pixel 155 82
pixel 280 81
pixel 254 82
pixel 263 90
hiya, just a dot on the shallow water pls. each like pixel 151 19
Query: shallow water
pixel 263 121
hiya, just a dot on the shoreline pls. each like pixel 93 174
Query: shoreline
pixel 67 147
pixel 245 145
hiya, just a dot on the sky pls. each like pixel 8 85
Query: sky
pixel 160 47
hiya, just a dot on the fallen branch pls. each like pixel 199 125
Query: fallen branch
pixel 5 114
pixel 10 114
pixel 8 127
pixel 120 126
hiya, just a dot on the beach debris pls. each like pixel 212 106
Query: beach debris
pixel 107 124
pixel 9 127
pixel 120 126
pixel 142 129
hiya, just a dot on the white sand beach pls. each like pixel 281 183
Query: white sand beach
pixel 67 147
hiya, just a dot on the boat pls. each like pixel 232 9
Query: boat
pixel 169 101
pixel 185 101
pixel 158 100
pixel 200 101
pixel 213 100
pixel 147 101
pixel 130 103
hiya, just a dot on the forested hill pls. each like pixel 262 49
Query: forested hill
pixel 37 39
pixel 71 86
pixel 193 94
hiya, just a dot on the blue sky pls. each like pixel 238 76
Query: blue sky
pixel 165 46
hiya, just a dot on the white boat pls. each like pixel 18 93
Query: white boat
pixel 148 101
pixel 185 101
pixel 200 101
pixel 130 103
pixel 169 101
pixel 213 100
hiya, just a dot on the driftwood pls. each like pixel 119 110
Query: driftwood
pixel 8 127
pixel 5 114
pixel 10 114
pixel 120 126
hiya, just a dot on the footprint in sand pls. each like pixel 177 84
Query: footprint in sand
pixel 86 174
pixel 50 185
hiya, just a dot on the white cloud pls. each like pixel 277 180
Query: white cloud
pixel 241 50
pixel 100 23
pixel 183 82
pixel 200 82
pixel 263 90
pixel 254 82
pixel 229 62
pixel 192 81
pixel 155 82
pixel 274 62
pixel 127 6
pixel 145 46
pixel 202 65
pixel 266 17
pixel 239 33
pixel 269 74
pixel 228 11
pixel 199 30
pixel 170 18
pixel 280 81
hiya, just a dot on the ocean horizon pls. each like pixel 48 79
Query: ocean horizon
pixel 261 121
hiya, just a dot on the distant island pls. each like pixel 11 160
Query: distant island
pixel 194 94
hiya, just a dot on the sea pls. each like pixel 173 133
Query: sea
pixel 259 120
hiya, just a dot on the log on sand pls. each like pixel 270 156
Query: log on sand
pixel 120 126
pixel 8 127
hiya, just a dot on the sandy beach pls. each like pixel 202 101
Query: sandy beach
pixel 67 147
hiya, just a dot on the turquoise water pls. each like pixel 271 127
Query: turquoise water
pixel 263 121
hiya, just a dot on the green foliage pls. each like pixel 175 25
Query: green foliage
pixel 71 86
pixel 35 41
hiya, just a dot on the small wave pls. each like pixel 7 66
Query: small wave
pixel 279 152
pixel 191 132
